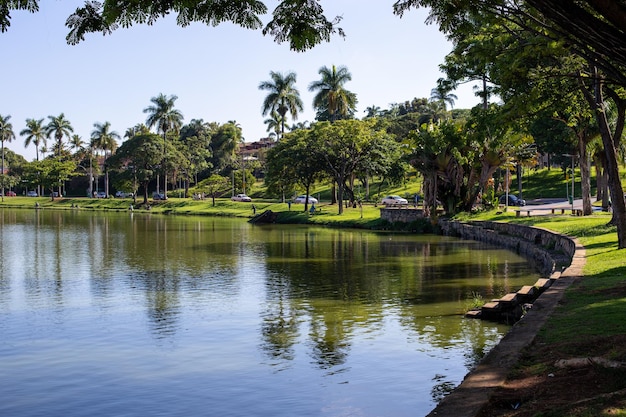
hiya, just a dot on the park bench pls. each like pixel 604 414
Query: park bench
pixel 518 212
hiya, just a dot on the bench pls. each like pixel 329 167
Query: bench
pixel 575 212
pixel 518 212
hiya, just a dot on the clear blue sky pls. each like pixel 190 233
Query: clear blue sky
pixel 214 71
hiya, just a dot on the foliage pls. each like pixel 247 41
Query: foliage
pixel 282 98
pixel 294 162
pixel 49 172
pixel 350 147
pixel 139 157
pixel 215 185
pixel 332 101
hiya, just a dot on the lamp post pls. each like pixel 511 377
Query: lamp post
pixel 573 180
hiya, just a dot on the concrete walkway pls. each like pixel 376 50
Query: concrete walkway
pixel 473 394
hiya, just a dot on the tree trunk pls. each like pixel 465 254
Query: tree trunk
pixel 585 175
pixel 596 102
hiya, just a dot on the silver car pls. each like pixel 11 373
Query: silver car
pixel 394 200
pixel 302 198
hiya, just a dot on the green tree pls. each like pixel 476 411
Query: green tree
pixel 283 97
pixel 215 186
pixel 59 127
pixel 166 118
pixel 50 172
pixel 195 146
pixel 6 135
pixel 224 142
pixel 274 125
pixel 348 146
pixel 102 137
pixel 295 161
pixel 139 157
pixel 442 93
pixel 332 101
pixel 35 133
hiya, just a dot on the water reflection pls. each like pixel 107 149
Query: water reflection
pixel 221 306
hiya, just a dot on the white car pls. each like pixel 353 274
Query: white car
pixel 302 198
pixel 394 200
pixel 32 194
pixel 241 197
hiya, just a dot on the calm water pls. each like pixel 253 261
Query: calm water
pixel 138 315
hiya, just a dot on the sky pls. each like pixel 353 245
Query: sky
pixel 214 71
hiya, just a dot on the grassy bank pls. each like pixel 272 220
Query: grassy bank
pixel 367 216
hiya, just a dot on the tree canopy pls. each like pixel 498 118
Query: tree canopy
pixel 301 23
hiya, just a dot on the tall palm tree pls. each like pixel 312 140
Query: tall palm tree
pixel 58 127
pixel 102 137
pixel 6 135
pixel 283 96
pixel 166 118
pixel 333 101
pixel 35 133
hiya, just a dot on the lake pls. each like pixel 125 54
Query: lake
pixel 147 315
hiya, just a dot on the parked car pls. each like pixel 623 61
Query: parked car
pixel 10 194
pixel 241 197
pixel 158 196
pixel 301 199
pixel 101 194
pixel 513 200
pixel 394 200
pixel 32 194
pixel 123 194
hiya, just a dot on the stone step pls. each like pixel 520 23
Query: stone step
pixel 510 298
pixel 543 283
pixel 473 314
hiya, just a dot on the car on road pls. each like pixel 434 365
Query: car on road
pixel 241 197
pixel 513 200
pixel 301 199
pixel 32 194
pixel 123 194
pixel 394 200
pixel 101 194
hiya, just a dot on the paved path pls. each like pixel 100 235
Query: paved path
pixel 545 206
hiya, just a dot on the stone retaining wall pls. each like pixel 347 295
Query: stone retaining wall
pixel 551 251
pixel 404 215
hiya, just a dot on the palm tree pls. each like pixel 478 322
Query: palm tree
pixel 58 127
pixel 35 133
pixel 165 117
pixel 333 101
pixel 442 93
pixel 102 137
pixel 135 130
pixel 274 124
pixel 283 96
pixel 76 142
pixel 6 135
pixel 372 111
